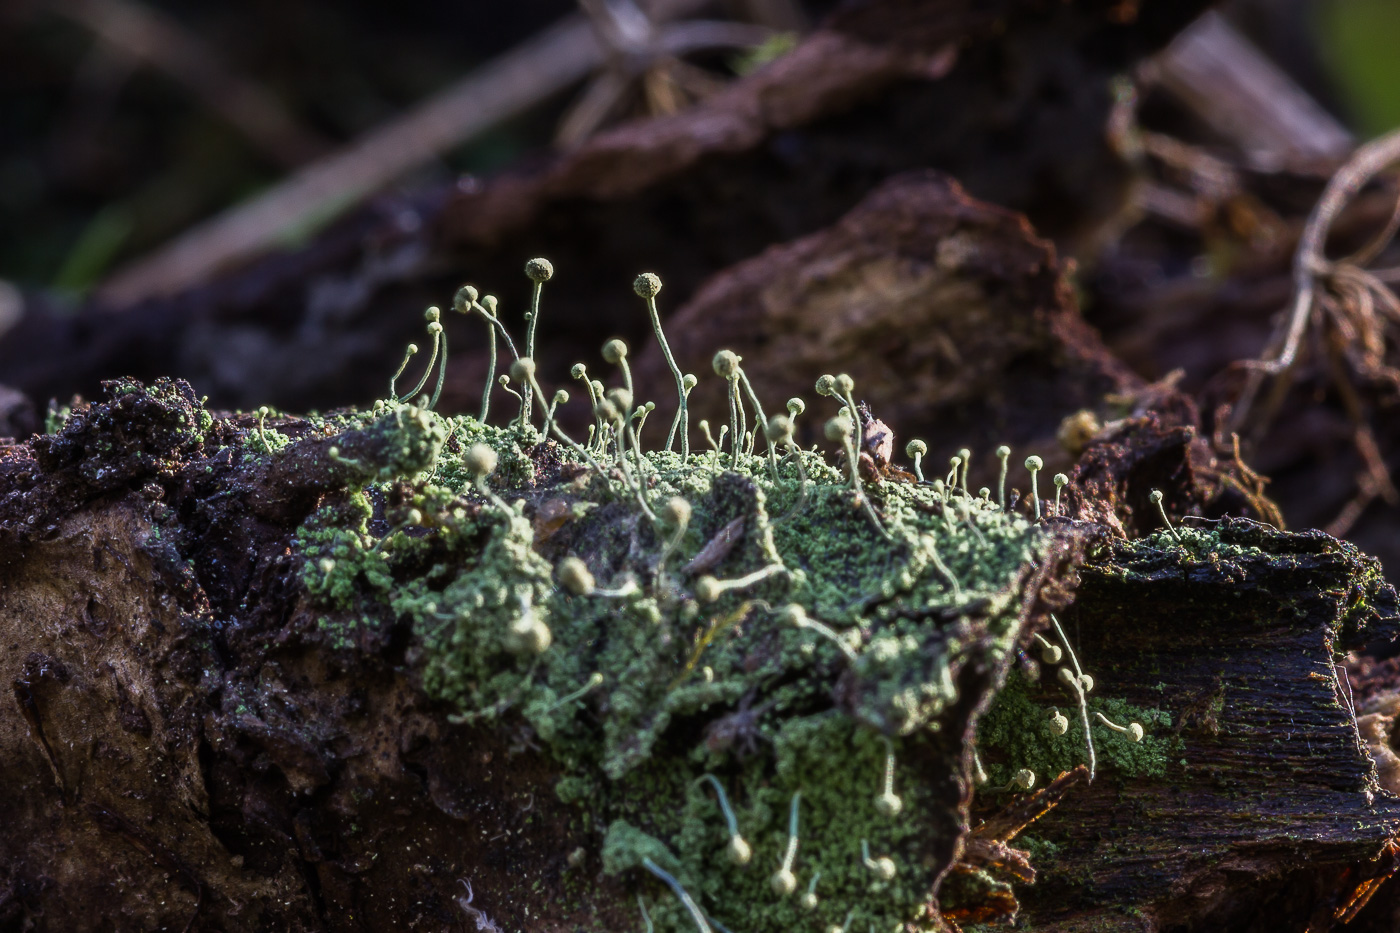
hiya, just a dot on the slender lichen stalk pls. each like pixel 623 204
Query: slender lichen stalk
pixel 596 680
pixel 676 511
pixel 841 429
pixel 463 303
pixel 736 413
pixel 915 450
pixel 714 446
pixel 1075 681
pixel 1156 499
pixel 784 882
pixel 504 382
pixel 797 617
pixel 726 365
pixel 640 416
pixel 262 434
pixel 883 867
pixel 926 543
pixel 1132 730
pixel 779 431
pixel 708 589
pixel 1023 780
pixel 394 379
pixel 680 893
pixel 538 271
pixel 624 435
pixel 1049 653
pixel 1003 454
pixel 486 307
pixel 466 299
pixel 580 372
pixel 615 352
pixel 761 420
pixel 435 330
pixel 889 804
pixel 442 374
pixel 738 851
pixel 1035 465
pixel 561 397
pixel 647 286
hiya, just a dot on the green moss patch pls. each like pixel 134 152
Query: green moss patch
pixel 645 687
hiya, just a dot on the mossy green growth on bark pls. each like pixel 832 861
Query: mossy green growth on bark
pixel 1016 732
pixel 140 430
pixel 686 657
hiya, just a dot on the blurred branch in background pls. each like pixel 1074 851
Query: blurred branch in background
pixel 1247 99
pixel 544 65
pixel 141 35
pixel 1338 294
pixel 643 55
pixel 1266 121
pixel 1353 319
pixel 1238 176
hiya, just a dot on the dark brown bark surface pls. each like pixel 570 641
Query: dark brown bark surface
pixel 1271 781
pixel 186 749
pixel 183 752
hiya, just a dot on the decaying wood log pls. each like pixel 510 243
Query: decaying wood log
pixel 192 745
pixel 197 734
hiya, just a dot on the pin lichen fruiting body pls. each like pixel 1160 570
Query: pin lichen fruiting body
pixel 537 271
pixel 647 286
pixel 737 850
pixel 1035 465
pixel 1156 499
pixel 784 882
pixel 1003 454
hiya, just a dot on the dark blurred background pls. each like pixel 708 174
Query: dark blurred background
pixel 105 154
pixel 1170 151
pixel 111 142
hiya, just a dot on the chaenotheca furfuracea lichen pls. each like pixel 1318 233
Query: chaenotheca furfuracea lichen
pixel 751 618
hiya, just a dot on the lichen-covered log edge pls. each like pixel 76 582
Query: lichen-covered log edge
pixel 285 673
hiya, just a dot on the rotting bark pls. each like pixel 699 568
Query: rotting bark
pixel 955 319
pixel 179 752
pixel 1267 814
pixel 190 748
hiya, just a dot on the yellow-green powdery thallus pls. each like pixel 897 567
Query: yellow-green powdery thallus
pixel 735 656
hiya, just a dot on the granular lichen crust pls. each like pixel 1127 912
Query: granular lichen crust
pixel 687 656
